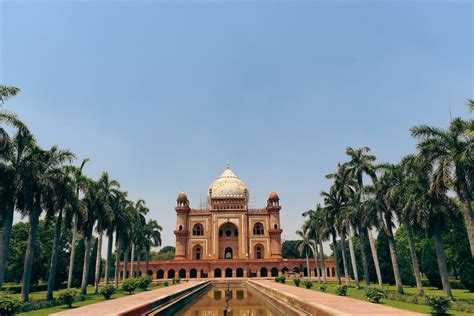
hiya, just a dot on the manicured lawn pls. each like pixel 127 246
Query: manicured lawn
pixel 90 298
pixel 359 294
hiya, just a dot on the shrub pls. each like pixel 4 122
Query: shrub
pixel 439 304
pixel 277 279
pixel 323 288
pixel 8 304
pixel 297 281
pixel 107 291
pixel 129 285
pixel 308 284
pixel 341 290
pixel 144 282
pixel 166 283
pixel 283 279
pixel 374 294
pixel 175 281
pixel 68 296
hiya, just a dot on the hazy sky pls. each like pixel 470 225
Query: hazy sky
pixel 162 94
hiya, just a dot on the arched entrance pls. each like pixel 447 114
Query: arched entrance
pixel 263 272
pixel 258 251
pixel 192 273
pixel 240 272
pixel 228 241
pixel 182 273
pixel 228 273
pixel 274 272
pixel 197 252
pixel 160 274
pixel 171 274
pixel 217 273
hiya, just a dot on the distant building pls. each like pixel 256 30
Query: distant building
pixel 227 239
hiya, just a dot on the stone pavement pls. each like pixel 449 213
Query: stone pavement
pixel 319 303
pixel 120 305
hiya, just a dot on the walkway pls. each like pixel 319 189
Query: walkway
pixel 121 305
pixel 318 303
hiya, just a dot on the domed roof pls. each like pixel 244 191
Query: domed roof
pixel 228 185
pixel 273 196
pixel 182 197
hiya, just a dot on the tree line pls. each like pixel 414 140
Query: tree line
pixel 425 195
pixel 43 183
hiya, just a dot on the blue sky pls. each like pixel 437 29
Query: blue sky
pixel 162 94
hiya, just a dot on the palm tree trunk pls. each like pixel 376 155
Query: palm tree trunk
pixel 125 262
pixel 365 263
pixel 307 266
pixel 73 251
pixel 54 256
pixel 353 258
pixel 117 260
pixel 30 252
pixel 468 217
pixel 138 263
pixel 98 261
pixel 375 256
pixel 7 226
pixel 315 252
pixel 85 268
pixel 336 257
pixel 394 258
pixel 441 259
pixel 414 258
pixel 132 258
pixel 344 260
pixel 321 258
pixel 147 261
pixel 108 258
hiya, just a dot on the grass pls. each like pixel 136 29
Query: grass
pixel 359 294
pixel 90 298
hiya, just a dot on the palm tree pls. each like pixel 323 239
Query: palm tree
pixel 139 221
pixel 7 92
pixel 451 153
pixel 332 204
pixel 362 163
pixel 104 218
pixel 304 245
pixel 318 233
pixel 14 160
pixel 40 167
pixel 152 234
pixel 79 183
pixel 59 198
pixel 391 175
pixel 122 218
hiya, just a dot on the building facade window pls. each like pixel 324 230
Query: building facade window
pixel 258 229
pixel 198 230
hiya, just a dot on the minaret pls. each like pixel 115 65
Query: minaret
pixel 273 208
pixel 182 231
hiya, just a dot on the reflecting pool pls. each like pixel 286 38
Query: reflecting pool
pixel 228 302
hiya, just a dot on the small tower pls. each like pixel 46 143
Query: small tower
pixel 273 208
pixel 182 231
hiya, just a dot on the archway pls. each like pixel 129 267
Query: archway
pixel 228 253
pixel 263 272
pixel 197 252
pixel 198 230
pixel 228 241
pixel 171 274
pixel 258 251
pixel 217 273
pixel 228 273
pixel 160 274
pixel 328 272
pixel 333 271
pixel 284 270
pixel 193 273
pixel 274 272
pixel 258 229
pixel 305 272
pixel 240 272
pixel 182 273
pixel 150 273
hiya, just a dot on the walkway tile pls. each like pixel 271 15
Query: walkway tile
pixel 329 304
pixel 123 304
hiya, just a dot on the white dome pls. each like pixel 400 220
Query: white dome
pixel 228 185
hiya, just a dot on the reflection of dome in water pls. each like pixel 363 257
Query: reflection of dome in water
pixel 228 185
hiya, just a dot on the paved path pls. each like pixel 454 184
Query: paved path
pixel 123 304
pixel 318 303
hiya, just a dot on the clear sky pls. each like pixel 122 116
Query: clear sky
pixel 162 94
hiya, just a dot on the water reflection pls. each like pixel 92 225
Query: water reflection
pixel 227 302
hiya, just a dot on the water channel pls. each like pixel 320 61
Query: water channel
pixel 230 301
